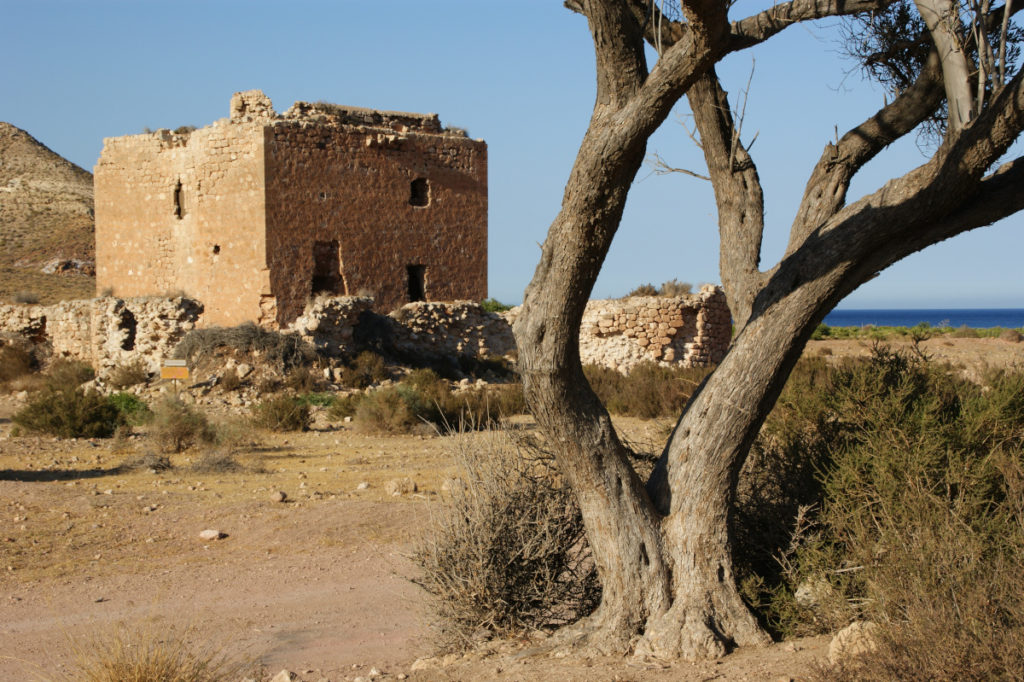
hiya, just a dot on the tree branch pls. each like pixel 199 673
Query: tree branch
pixel 737 192
pixel 759 27
pixel 825 192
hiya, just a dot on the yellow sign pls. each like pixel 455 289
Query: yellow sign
pixel 174 369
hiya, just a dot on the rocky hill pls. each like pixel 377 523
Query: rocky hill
pixel 46 221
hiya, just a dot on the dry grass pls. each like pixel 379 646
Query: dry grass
pixel 134 654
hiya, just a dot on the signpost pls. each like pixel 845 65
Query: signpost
pixel 174 370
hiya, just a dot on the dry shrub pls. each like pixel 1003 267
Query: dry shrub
pixel 366 369
pixel 128 375
pixel 303 380
pixel 643 290
pixel 964 332
pixel 1011 335
pixel 15 362
pixel 177 426
pixel 919 524
pixel 133 654
pixel 648 391
pixel 282 413
pixel 423 397
pixel 26 297
pixel 674 288
pixel 507 552
pixel 283 351
pixel 65 372
pixel 229 380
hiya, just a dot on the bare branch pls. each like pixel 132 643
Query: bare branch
pixel 660 167
pixel 759 27
pixel 943 23
pixel 826 188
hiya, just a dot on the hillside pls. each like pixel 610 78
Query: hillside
pixel 46 214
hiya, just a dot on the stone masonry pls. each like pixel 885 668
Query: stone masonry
pixel 258 213
pixel 689 331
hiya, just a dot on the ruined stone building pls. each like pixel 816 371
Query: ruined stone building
pixel 257 213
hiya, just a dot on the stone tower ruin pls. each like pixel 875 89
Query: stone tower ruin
pixel 257 213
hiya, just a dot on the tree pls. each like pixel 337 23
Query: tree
pixel 662 546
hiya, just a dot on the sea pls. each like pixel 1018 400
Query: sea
pixel 976 318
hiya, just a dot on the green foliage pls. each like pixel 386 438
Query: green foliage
pixel 133 409
pixel 648 391
pixel 507 553
pixel 318 399
pixel 282 413
pixel 914 517
pixel 177 426
pixel 492 305
pixel 70 412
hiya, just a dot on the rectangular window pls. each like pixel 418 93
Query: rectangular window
pixel 417 275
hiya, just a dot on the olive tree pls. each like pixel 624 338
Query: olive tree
pixel 662 546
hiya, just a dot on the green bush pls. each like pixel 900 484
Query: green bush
pixel 282 413
pixel 70 413
pixel 133 409
pixel 917 522
pixel 177 426
pixel 492 305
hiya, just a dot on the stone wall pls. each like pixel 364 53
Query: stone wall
pixel 688 331
pixel 105 332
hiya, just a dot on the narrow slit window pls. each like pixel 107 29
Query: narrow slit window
pixel 417 275
pixel 179 205
pixel 419 194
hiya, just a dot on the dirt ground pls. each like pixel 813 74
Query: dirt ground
pixel 319 584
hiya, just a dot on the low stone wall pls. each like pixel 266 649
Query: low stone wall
pixel 688 331
pixel 105 332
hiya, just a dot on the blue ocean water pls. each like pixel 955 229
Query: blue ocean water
pixel 977 318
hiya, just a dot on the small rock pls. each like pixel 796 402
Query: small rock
pixel 283 676
pixel 856 639
pixel 374 673
pixel 243 370
pixel 400 486
pixel 210 534
pixel 363 486
pixel 279 496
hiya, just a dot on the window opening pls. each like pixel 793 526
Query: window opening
pixel 327 268
pixel 216 249
pixel 179 208
pixel 417 275
pixel 419 194
pixel 129 326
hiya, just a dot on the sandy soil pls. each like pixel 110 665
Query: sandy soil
pixel 320 584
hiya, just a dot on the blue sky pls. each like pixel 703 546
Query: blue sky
pixel 519 75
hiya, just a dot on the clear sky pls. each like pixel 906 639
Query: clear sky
pixel 518 74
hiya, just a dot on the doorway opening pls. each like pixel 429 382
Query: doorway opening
pixel 417 275
pixel 327 268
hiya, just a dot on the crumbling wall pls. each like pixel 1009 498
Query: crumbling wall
pixel 459 328
pixel 328 323
pixel 105 332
